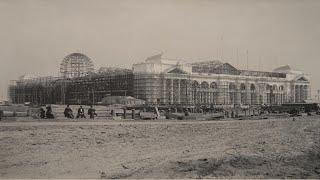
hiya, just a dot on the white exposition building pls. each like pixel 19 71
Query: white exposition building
pixel 161 81
pixel 170 82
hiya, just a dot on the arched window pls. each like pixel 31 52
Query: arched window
pixel 204 94
pixel 275 87
pixel 243 95
pixel 204 85
pixel 232 93
pixel 232 86
pixel 242 87
pixel 213 85
pixel 252 87
pixel 214 94
pixel 268 87
pixel 195 84
pixel 281 88
pixel 253 94
pixel 194 92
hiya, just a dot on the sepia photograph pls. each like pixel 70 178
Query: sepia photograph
pixel 159 89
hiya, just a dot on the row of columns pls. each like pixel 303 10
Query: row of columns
pixel 300 93
pixel 182 91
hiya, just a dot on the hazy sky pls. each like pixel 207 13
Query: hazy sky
pixel 35 35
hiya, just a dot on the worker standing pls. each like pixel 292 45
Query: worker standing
pixel 92 112
pixel 49 114
pixel 42 113
pixel 81 113
pixel 68 112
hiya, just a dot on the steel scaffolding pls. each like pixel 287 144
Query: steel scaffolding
pixel 76 65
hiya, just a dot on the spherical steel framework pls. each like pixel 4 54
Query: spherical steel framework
pixel 76 65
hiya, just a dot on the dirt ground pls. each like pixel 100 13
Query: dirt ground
pixel 278 148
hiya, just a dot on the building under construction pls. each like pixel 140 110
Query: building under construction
pixel 161 81
pixel 170 82
pixel 77 84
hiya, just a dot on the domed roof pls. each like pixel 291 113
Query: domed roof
pixel 77 56
pixel 76 65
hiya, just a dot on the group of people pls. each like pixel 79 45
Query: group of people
pixel 81 113
pixel 67 112
pixel 46 114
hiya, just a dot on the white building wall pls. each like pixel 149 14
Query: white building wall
pixel 161 67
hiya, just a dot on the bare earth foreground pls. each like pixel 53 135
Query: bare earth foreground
pixel 279 148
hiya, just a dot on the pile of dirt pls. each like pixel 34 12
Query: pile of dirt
pixel 306 165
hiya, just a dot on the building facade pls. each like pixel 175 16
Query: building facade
pixel 170 82
pixel 161 81
pixel 90 89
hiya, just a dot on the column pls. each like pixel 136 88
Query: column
pixel 179 90
pixel 238 94
pixel 248 92
pixel 293 93
pixel 297 93
pixel 308 94
pixel 164 91
pixel 226 93
pixel 171 86
pixel 210 95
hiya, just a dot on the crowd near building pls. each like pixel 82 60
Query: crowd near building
pixel 163 81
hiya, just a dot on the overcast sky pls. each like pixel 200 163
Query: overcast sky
pixel 35 35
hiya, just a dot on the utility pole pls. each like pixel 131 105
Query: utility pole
pixel 222 47
pixel 238 57
pixel 63 87
pixel 92 96
pixel 247 60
